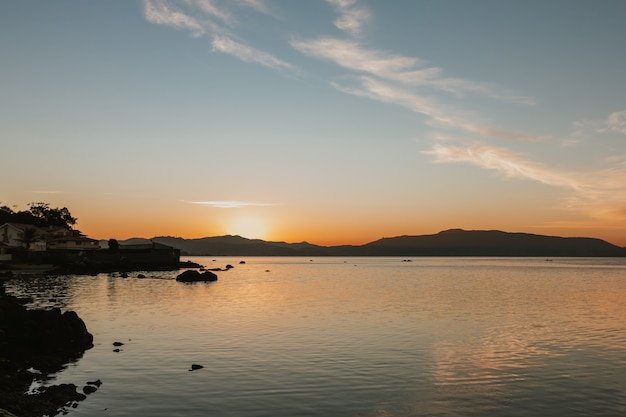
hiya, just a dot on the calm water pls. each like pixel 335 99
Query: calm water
pixel 354 337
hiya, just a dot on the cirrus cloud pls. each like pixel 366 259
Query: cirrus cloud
pixel 247 54
pixel 213 19
pixel 614 123
pixel 599 193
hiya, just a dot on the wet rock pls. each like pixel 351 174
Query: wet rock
pixel 195 276
pixel 189 264
pixel 95 383
pixel 89 389
pixel 34 344
pixel 38 331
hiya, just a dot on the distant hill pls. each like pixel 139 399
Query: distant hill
pixel 454 242
pixel 237 245
pixel 458 242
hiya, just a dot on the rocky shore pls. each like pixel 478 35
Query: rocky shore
pixel 33 345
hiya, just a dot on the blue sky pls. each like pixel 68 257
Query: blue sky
pixel 336 121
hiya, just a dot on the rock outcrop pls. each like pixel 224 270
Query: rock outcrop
pixel 195 276
pixel 33 344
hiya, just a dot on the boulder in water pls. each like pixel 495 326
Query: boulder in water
pixel 195 276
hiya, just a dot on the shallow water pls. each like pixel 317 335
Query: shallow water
pixel 354 337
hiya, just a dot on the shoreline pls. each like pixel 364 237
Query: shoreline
pixel 35 344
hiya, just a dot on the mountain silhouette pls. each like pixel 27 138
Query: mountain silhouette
pixel 453 242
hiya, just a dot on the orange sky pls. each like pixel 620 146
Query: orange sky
pixel 331 122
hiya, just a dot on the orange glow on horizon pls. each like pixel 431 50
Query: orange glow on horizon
pixel 254 229
pixel 325 228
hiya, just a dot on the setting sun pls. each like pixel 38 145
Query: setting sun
pixel 249 227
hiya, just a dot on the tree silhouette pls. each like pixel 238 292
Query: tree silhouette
pixel 114 245
pixel 52 216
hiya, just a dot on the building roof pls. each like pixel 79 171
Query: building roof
pixel 72 238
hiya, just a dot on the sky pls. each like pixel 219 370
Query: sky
pixel 327 121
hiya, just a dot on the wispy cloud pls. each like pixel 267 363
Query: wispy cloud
pixel 600 194
pixel 162 13
pixel 210 8
pixel 349 54
pixel 504 161
pixel 352 16
pixel 231 204
pixel 212 19
pixel 410 71
pixel 431 107
pixel 247 53
pixel 614 123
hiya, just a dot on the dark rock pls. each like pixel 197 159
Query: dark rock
pixel 38 331
pixel 188 276
pixel 96 383
pixel 229 266
pixel 195 367
pixel 45 340
pixel 208 276
pixel 89 389
pixel 24 300
pixel 195 276
pixel 116 350
pixel 118 344
pixel 242 262
pixel 124 275
pixel 141 276
pixel 189 264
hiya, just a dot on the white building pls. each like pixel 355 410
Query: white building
pixel 11 235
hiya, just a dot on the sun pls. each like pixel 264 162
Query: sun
pixel 249 227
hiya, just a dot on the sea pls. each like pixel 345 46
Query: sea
pixel 352 337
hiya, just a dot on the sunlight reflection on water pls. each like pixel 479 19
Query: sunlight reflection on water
pixel 354 337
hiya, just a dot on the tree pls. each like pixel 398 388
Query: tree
pixel 28 236
pixel 52 216
pixel 7 214
pixel 114 245
pixel 6 210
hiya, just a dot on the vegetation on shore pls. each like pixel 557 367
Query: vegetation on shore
pixel 39 215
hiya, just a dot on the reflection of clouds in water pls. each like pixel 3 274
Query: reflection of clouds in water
pixel 534 342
